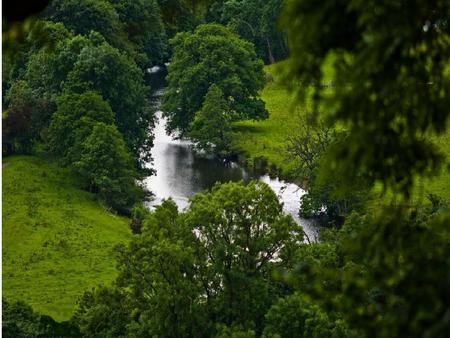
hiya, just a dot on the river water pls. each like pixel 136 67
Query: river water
pixel 181 172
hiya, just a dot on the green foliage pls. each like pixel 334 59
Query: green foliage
pixel 83 134
pixel 80 64
pixel 211 128
pixel 47 70
pixel 20 321
pixel 156 275
pixel 388 92
pixel 107 168
pixel 390 95
pixel 376 279
pixel 138 214
pixel 176 16
pixel 134 27
pixel 296 317
pixel 212 55
pixel 233 332
pixel 186 272
pixel 100 313
pixel 144 27
pixel 256 21
pixel 104 69
pixel 310 148
pixel 243 229
pixel 73 122
pixel 85 16
pixel 403 251
pixel 57 239
pixel 21 120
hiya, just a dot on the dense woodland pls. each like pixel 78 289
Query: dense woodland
pixel 372 82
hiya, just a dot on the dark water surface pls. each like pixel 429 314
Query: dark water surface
pixel 181 172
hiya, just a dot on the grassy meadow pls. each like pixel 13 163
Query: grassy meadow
pixel 57 240
pixel 267 138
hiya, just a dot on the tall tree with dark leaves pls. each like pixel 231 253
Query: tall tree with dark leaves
pixel 212 54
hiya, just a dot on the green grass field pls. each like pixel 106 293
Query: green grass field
pixel 267 138
pixel 57 240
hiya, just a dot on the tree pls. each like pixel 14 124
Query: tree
pixel 296 317
pixel 73 122
pixel 383 261
pixel 327 198
pixel 255 21
pixel 144 27
pixel 211 127
pixel 243 236
pixel 212 55
pixel 388 93
pixel 204 272
pixel 233 332
pixel 80 64
pixel 85 16
pixel 47 70
pixel 119 81
pixel 107 168
pixel 21 119
pixel 158 267
pixel 102 312
pixel 20 321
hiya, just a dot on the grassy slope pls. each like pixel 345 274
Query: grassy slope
pixel 57 240
pixel 267 138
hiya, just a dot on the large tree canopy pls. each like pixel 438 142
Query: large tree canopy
pixel 116 77
pixel 392 82
pixel 187 272
pixel 212 54
pixel 74 120
pixel 84 16
pixel 107 167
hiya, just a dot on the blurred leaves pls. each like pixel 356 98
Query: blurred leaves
pixel 390 89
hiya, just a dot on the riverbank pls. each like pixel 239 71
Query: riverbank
pixel 57 239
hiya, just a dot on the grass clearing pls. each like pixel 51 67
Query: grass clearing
pixel 57 239
pixel 267 138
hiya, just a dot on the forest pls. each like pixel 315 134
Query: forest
pixel 226 168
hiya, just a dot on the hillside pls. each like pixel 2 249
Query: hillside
pixel 57 240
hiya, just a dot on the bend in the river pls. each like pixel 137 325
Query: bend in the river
pixel 181 172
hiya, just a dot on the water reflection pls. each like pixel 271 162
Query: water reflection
pixel 181 172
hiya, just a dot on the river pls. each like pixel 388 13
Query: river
pixel 181 172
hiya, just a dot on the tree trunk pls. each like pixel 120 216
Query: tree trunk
pixel 269 49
